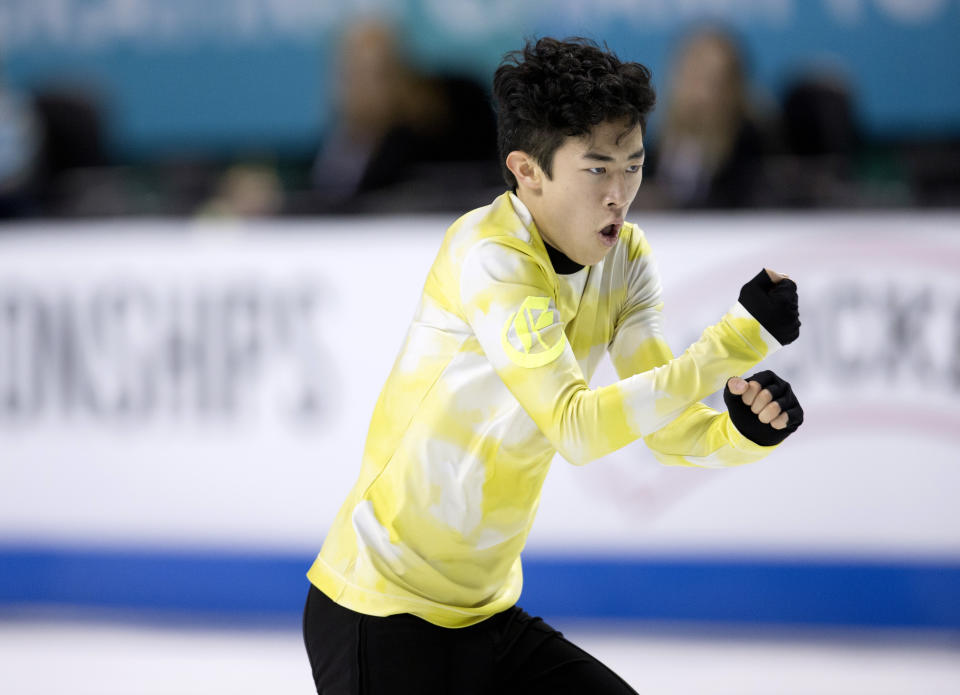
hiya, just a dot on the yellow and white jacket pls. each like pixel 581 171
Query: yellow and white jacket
pixel 492 382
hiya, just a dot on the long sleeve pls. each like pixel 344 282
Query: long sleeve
pixel 507 299
pixel 699 436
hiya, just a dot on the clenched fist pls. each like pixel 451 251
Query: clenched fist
pixel 763 407
pixel 771 299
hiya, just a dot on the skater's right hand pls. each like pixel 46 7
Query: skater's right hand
pixel 771 298
pixel 763 407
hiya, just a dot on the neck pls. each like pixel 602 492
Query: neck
pixel 562 264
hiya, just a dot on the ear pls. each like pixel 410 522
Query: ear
pixel 526 170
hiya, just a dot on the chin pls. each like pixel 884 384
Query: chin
pixel 592 258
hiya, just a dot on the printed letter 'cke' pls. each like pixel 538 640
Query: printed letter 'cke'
pixel 532 337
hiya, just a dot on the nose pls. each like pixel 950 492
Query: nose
pixel 617 193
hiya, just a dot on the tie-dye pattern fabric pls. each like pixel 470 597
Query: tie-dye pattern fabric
pixel 492 382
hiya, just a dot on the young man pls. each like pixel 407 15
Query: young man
pixel 415 587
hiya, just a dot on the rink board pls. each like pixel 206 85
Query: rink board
pixel 183 407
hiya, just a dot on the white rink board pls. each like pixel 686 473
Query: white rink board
pixel 176 384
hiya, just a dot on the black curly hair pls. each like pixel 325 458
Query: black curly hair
pixel 553 89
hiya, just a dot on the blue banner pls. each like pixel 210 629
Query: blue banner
pixel 256 73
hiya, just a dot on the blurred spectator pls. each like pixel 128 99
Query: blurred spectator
pixel 822 139
pixel 246 190
pixel 401 139
pixel 712 142
pixel 818 117
pixel 19 152
pixel 827 160
pixel 70 174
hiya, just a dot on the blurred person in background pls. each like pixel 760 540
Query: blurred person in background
pixel 415 588
pixel 827 158
pixel 822 138
pixel 246 190
pixel 399 135
pixel 713 141
pixel 19 153
pixel 73 176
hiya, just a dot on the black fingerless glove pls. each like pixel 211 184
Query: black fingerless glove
pixel 747 422
pixel 774 305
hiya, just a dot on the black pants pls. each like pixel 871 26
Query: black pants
pixel 511 652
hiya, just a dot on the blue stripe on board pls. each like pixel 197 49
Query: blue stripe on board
pixel 758 590
pixel 800 591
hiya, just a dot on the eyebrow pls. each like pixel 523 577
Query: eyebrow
pixel 606 158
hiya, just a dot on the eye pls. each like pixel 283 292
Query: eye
pixel 597 170
pixel 634 168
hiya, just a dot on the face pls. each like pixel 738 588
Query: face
pixel 371 77
pixel 706 82
pixel 581 207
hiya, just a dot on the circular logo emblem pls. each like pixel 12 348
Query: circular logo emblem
pixel 532 337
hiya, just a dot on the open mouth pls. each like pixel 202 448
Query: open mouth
pixel 610 233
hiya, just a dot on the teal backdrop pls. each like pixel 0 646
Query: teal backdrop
pixel 256 74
